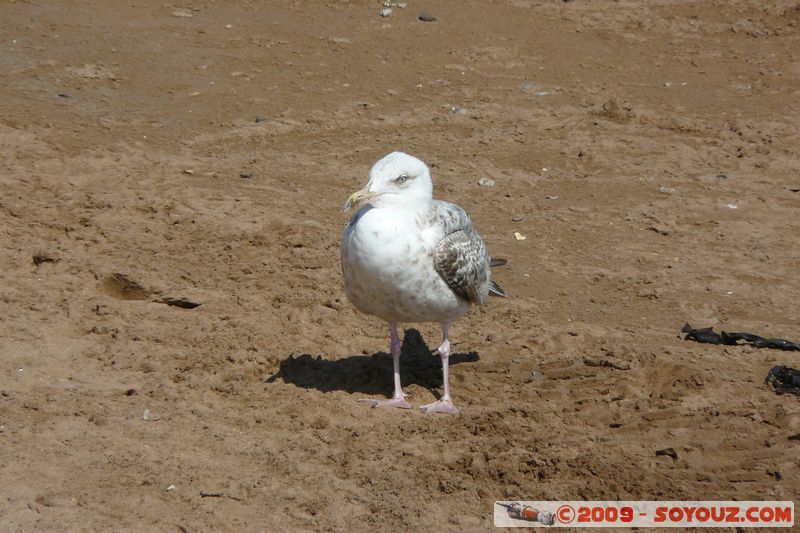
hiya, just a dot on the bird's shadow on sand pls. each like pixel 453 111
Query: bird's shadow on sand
pixel 369 374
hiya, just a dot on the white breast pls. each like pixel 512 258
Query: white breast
pixel 387 261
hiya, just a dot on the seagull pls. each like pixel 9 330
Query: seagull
pixel 409 258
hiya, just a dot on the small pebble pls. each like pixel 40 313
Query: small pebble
pixel 519 236
pixel 188 172
pixel 386 12
pixel 426 17
pixel 732 206
pixel 527 85
pixel 551 197
pixel 259 119
pixel 182 12
pixel 517 218
pixel 246 175
pixel 486 182
pixel 402 5
pixel 667 190
pixel 147 415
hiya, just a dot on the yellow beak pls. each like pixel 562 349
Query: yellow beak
pixel 358 197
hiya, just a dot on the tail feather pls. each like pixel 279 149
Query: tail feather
pixel 496 290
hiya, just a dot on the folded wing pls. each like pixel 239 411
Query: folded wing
pixel 461 258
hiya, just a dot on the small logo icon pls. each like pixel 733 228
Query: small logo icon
pixel 528 513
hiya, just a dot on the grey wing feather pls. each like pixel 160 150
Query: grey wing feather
pixel 496 290
pixel 461 257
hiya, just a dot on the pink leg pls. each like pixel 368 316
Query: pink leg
pixel 445 404
pixel 399 398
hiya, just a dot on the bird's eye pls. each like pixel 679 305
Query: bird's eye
pixel 401 179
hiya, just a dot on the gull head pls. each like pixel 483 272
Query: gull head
pixel 396 179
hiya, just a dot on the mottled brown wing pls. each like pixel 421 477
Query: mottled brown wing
pixel 461 257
